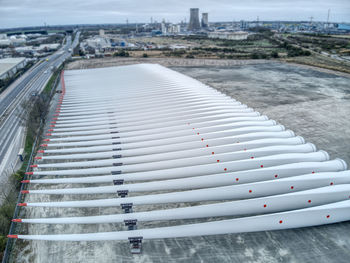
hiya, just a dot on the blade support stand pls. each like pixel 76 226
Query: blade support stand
pixel 131 224
pixel 118 182
pixel 127 207
pixel 135 245
pixel 122 193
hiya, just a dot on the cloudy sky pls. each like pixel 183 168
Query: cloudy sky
pixel 17 13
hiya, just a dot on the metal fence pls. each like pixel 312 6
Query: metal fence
pixel 20 199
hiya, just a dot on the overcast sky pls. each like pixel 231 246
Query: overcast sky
pixel 18 13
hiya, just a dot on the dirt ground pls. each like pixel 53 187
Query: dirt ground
pixel 182 62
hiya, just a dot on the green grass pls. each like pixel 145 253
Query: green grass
pixel 49 85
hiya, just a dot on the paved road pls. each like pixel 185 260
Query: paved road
pixel 10 102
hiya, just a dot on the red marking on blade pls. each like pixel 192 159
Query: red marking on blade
pixel 43 145
pixel 17 220
pixel 331 183
pixel 29 173
pixel 237 179
pixel 261 166
pixel 25 192
pixel 46 140
pixel 55 119
pixel 225 169
pixel 48 134
pixel 207 145
pixel 313 172
pixel 41 151
pixel 252 157
pixel 50 130
pixel 328 216
pixel 250 191
pixel 280 221
pixel 56 115
pixel 12 236
pixel 52 126
pixel 292 187
pixel 38 158
pixel 276 175
pixel 25 181
pixel 212 152
pixel 33 166
pixel 309 201
pixel 265 205
pixel 202 139
pixel 53 122
pixel 245 149
pixel 217 161
pixel 197 133
pixel 22 204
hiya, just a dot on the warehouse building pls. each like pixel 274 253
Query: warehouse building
pixel 9 66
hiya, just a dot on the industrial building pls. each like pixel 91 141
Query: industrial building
pixel 228 35
pixel 9 66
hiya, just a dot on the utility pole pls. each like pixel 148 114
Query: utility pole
pixel 311 17
pixel 329 12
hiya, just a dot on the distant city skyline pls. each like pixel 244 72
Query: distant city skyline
pixel 21 13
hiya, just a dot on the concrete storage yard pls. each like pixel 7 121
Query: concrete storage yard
pixel 315 105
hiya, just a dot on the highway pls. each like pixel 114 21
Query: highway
pixel 11 127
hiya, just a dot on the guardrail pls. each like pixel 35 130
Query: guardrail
pixel 10 241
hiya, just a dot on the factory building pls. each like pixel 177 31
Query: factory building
pixel 9 66
pixel 194 20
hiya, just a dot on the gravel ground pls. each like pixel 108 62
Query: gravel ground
pixel 314 104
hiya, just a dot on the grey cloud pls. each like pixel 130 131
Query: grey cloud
pixel 14 13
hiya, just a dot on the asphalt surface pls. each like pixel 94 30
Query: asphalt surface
pixel 11 104
pixel 313 104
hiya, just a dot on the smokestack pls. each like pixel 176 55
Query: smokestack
pixel 205 22
pixel 194 20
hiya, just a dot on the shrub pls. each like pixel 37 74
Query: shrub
pixel 274 54
pixel 121 53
